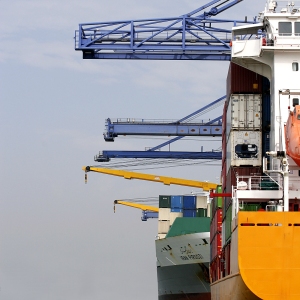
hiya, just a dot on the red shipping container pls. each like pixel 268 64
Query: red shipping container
pixel 243 81
pixel 216 224
pixel 216 245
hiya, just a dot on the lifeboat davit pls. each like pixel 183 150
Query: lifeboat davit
pixel 292 135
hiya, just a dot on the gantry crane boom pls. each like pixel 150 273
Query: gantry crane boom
pixel 191 36
pixel 114 128
pixel 137 205
pixel 106 155
pixel 206 186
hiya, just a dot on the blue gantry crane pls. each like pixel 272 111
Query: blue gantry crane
pixel 179 128
pixel 197 35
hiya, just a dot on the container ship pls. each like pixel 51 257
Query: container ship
pixel 245 244
pixel 183 247
pixel 260 161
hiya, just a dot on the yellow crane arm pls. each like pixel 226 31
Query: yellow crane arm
pixel 206 186
pixel 137 205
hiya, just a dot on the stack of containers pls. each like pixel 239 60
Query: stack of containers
pixel 243 123
pixel 176 208
pixel 164 215
pixel 243 134
pixel 216 225
pixel 189 206
pixel 202 207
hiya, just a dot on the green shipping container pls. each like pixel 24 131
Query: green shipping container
pixel 164 201
pixel 201 212
pixel 250 207
pixel 228 220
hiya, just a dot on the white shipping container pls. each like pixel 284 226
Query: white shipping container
pixel 208 210
pixel 161 235
pixel 164 214
pixel 244 149
pixel 201 202
pixel 174 215
pixel 244 112
pixel 163 226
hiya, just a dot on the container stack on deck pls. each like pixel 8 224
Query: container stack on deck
pixel 177 206
pixel 245 139
pixel 216 232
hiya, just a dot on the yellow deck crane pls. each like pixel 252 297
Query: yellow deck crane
pixel 148 211
pixel 206 186
pixel 136 205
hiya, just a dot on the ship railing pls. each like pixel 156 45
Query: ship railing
pixel 158 121
pixel 259 183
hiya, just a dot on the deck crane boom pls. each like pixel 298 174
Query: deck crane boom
pixel 136 205
pixel 206 186
pixel 192 36
pixel 148 211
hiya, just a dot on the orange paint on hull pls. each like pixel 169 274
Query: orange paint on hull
pixel 268 254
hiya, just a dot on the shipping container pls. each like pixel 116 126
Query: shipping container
pixel 201 202
pixel 208 210
pixel 244 112
pixel 228 219
pixel 176 201
pixel 174 215
pixel 164 214
pixel 216 223
pixel 189 202
pixel 218 202
pixel 163 226
pixel 176 210
pixel 216 245
pixel 190 213
pixel 161 235
pixel 164 201
pixel 214 268
pixel 250 207
pixel 201 212
pixel 243 149
pixel 242 81
pixel 226 257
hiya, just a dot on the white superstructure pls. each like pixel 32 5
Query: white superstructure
pixel 272 48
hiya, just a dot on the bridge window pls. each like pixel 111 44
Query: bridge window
pixel 297 28
pixel 285 28
pixel 295 66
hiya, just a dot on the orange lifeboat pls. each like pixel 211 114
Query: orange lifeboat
pixel 292 135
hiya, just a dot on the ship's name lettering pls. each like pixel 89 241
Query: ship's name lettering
pixel 191 256
pixel 195 256
pixel 183 257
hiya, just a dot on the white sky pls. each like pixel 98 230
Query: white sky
pixel 59 237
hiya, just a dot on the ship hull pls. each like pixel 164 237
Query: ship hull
pixel 231 288
pixel 189 281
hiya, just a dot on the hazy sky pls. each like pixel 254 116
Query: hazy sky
pixel 59 237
